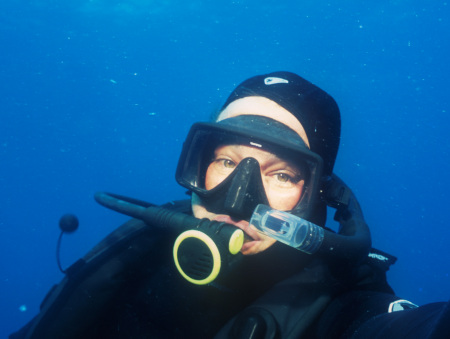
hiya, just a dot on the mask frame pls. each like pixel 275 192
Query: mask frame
pixel 249 130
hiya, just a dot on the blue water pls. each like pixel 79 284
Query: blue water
pixel 99 95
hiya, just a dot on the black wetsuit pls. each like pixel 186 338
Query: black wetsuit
pixel 128 287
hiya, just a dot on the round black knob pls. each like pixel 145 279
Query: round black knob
pixel 68 223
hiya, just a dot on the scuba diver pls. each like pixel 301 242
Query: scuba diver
pixel 249 254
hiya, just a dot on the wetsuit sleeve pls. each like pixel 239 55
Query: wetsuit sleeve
pixel 365 314
pixel 89 289
pixel 430 321
pixel 370 309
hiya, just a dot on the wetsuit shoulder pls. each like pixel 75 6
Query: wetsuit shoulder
pixel 365 295
pixel 92 282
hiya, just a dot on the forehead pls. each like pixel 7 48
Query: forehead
pixel 263 107
pixel 263 156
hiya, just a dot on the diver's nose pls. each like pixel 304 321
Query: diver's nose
pixel 246 190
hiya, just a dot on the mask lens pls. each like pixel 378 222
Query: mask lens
pixel 198 154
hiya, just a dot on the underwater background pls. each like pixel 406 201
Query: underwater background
pixel 98 95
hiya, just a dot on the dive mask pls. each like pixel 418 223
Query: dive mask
pixel 239 193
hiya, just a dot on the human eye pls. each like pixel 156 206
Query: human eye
pixel 283 177
pixel 227 163
pixel 286 178
pixel 224 163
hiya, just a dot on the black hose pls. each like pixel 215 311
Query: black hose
pixel 151 215
pixel 158 216
pixel 352 243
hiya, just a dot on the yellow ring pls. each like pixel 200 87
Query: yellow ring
pixel 212 247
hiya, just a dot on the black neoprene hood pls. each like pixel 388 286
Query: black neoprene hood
pixel 315 109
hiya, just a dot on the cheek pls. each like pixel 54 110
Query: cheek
pixel 209 183
pixel 212 178
pixel 199 210
pixel 284 200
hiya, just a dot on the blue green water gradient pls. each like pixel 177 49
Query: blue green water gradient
pixel 99 95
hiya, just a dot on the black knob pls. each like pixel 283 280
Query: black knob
pixel 68 223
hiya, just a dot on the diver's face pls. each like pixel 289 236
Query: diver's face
pixel 281 178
